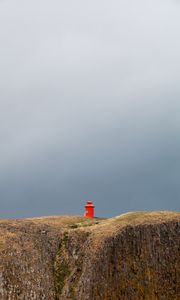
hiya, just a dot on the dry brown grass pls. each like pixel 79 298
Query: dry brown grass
pixel 29 246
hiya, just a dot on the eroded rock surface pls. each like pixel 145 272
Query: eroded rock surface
pixel 133 256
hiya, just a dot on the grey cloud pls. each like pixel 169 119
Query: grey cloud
pixel 89 106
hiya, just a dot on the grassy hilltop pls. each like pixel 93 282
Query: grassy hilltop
pixel 132 256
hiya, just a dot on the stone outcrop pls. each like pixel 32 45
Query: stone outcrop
pixel 133 256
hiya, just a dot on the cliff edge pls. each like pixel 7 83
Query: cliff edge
pixel 133 256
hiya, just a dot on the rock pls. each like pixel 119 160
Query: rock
pixel 133 256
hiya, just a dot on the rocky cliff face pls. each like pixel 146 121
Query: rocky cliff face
pixel 133 256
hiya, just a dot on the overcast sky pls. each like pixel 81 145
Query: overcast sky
pixel 89 106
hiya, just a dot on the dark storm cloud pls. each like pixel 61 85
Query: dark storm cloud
pixel 89 96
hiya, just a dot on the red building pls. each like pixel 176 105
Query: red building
pixel 89 207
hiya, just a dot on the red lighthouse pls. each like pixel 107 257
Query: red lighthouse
pixel 89 207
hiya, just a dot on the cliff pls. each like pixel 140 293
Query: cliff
pixel 133 256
